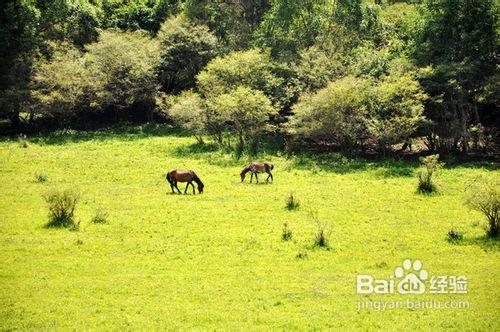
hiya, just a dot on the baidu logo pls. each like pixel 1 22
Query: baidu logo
pixel 411 278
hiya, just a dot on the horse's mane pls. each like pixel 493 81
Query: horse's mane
pixel 197 179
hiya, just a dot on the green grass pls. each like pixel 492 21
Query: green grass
pixel 217 260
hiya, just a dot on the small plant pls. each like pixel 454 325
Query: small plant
pixel 484 197
pixel 40 177
pixel 430 165
pixel 454 235
pixel 287 233
pixel 292 203
pixel 23 142
pixel 100 216
pixel 62 206
pixel 321 237
pixel 301 254
pixel 75 227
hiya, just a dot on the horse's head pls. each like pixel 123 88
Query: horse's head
pixel 243 174
pixel 200 187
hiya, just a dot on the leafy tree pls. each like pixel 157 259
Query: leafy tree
pixel 247 111
pixel 336 113
pixel 189 111
pixel 253 69
pixel 397 108
pixel 124 64
pixel 186 48
pixel 62 87
pixel 459 43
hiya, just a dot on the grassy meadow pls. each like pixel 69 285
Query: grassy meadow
pixel 217 260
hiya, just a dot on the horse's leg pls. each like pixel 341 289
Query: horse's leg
pixel 256 178
pixel 251 177
pixel 172 187
pixel 176 187
pixel 185 190
pixel 192 185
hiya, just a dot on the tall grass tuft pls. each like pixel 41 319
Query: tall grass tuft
pixel 292 203
pixel 100 216
pixel 286 233
pixel 62 205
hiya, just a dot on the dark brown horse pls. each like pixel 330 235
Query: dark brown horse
pixel 257 168
pixel 182 175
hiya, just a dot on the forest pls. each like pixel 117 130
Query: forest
pixel 350 75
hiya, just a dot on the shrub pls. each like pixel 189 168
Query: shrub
pixel 185 49
pixel 63 86
pixel 124 65
pixel 62 206
pixel 287 232
pixel 484 197
pixel 336 113
pixel 100 216
pixel 430 165
pixel 292 203
pixel 454 235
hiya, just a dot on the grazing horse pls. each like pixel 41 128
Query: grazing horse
pixel 257 168
pixel 182 175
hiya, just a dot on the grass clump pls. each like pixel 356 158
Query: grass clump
pixel 286 233
pixel 62 205
pixel 321 237
pixel 455 236
pixel 41 178
pixel 484 197
pixel 292 203
pixel 100 216
pixel 430 165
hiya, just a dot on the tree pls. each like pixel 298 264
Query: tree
pixel 186 48
pixel 189 111
pixel 247 111
pixel 336 113
pixel 253 69
pixel 125 65
pixel 62 87
pixel 459 44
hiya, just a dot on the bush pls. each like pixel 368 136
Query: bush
pixel 100 216
pixel 62 206
pixel 484 197
pixel 292 203
pixel 336 113
pixel 185 49
pixel 63 86
pixel 287 233
pixel 124 64
pixel 430 165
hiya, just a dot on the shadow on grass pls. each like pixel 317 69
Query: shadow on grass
pixel 123 132
pixel 485 242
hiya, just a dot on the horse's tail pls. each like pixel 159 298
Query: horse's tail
pixel 168 178
pixel 272 166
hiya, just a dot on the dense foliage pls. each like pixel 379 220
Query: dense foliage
pixel 349 73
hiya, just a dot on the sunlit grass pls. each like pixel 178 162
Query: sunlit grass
pixel 217 260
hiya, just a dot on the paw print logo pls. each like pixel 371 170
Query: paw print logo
pixel 413 277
